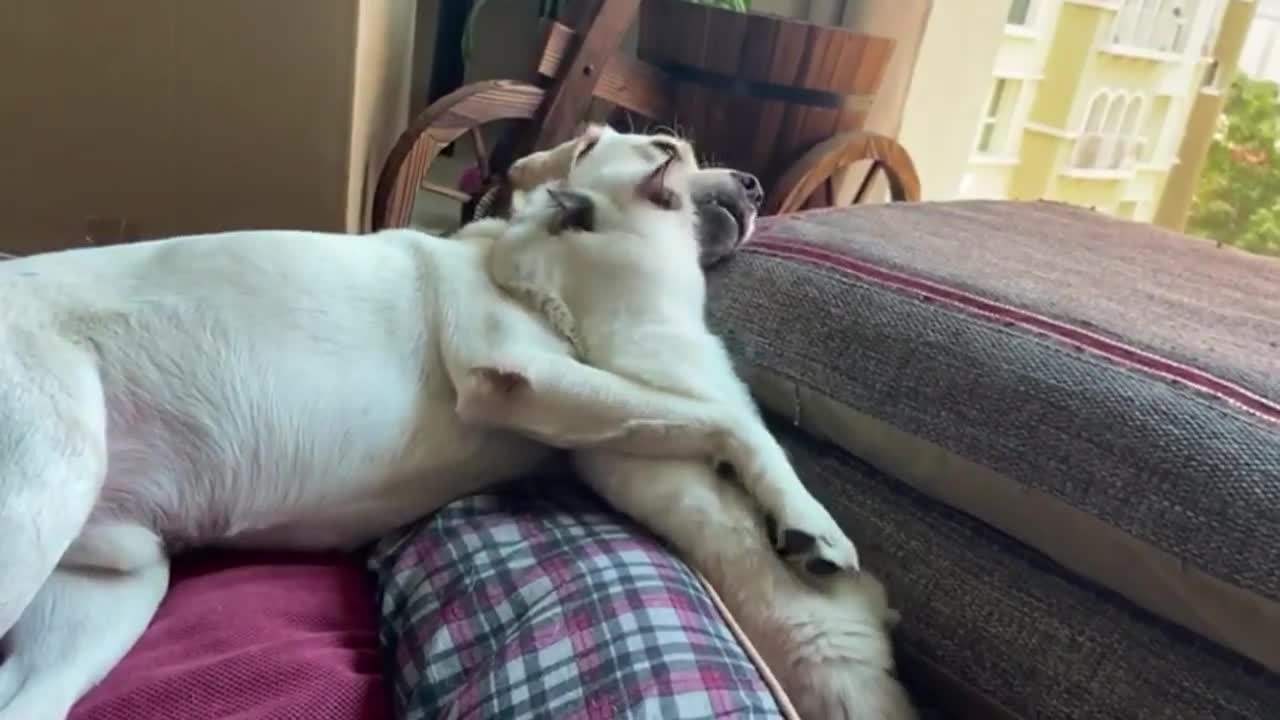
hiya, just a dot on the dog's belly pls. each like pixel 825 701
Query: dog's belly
pixel 283 458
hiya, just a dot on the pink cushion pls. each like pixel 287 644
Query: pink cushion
pixel 252 637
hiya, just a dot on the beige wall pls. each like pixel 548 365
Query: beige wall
pixel 949 89
pixel 380 96
pixel 146 118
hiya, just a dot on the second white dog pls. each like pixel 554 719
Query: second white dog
pixel 609 256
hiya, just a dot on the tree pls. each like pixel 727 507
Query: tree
pixel 1237 201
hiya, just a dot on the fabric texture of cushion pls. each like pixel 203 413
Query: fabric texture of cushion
pixel 523 605
pixel 996 631
pixel 249 636
pixel 1105 392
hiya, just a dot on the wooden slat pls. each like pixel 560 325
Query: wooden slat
pixel 570 96
pixel 756 91
pixel 445 190
pixel 626 82
pixel 798 183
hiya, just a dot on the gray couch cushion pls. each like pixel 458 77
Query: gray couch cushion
pixel 1102 391
pixel 993 630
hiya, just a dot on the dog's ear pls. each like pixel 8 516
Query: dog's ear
pixel 653 189
pixel 549 165
pixel 586 141
pixel 574 211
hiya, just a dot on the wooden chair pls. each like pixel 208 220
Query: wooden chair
pixel 776 138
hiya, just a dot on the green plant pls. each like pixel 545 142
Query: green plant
pixel 1237 200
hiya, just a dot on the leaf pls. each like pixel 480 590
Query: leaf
pixel 1237 199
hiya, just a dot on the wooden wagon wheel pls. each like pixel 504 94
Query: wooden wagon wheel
pixel 810 181
pixel 462 112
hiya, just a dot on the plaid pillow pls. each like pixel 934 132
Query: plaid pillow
pixel 512 605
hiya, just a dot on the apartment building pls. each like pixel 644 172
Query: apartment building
pixel 1090 101
pixel 1260 57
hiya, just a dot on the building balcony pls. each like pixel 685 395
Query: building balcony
pixel 1105 156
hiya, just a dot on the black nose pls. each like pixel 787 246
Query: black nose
pixel 751 185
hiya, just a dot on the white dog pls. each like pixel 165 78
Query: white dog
pixel 263 389
pixel 611 257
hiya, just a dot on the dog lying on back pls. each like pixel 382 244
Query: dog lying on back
pixel 609 257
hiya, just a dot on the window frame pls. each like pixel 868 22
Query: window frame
pixel 1028 14
pixel 986 143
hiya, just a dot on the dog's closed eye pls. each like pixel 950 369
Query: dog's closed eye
pixel 585 148
pixel 665 199
pixel 654 188
pixel 666 146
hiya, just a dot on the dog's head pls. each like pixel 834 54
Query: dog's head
pixel 640 184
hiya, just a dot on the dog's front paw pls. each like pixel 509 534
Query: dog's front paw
pixel 488 392
pixel 808 538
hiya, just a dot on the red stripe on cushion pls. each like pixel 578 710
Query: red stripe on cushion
pixel 1228 391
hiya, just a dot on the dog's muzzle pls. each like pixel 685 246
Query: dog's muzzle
pixel 726 202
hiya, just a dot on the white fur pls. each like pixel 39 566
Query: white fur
pixel 285 390
pixel 630 293
pixel 255 389
pixel 251 389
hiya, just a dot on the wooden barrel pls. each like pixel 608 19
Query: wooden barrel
pixel 756 91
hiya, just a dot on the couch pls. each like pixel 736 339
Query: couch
pixel 1055 436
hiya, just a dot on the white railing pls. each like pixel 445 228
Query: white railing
pixel 1160 25
pixel 1107 151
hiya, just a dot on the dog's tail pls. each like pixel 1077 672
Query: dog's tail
pixel 52 460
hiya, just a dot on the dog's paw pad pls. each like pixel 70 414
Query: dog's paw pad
pixel 812 542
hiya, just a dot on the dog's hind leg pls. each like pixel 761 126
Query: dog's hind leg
pixel 826 638
pixel 81 623
pixel 52 459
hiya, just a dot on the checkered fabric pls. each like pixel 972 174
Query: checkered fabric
pixel 513 605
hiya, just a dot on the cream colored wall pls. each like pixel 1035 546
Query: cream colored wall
pixel 151 118
pixel 380 96
pixel 986 181
pixel 951 85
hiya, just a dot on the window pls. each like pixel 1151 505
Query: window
pixel 1215 29
pixel 1128 144
pixel 1019 12
pixel 1113 133
pixel 1159 25
pixel 1109 139
pixel 1210 79
pixel 994 130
